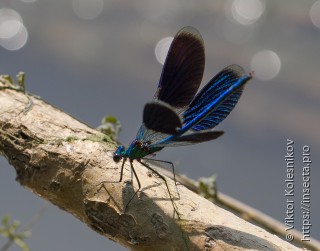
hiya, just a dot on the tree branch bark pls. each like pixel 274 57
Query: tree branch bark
pixel 68 163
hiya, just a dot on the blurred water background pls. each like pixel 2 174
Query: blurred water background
pixel 104 57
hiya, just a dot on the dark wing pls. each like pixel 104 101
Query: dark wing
pixel 213 103
pixel 160 117
pixel 183 69
pixel 218 86
pixel 199 137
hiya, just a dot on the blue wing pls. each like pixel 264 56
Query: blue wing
pixel 183 69
pixel 216 87
pixel 176 117
pixel 211 105
pixel 160 121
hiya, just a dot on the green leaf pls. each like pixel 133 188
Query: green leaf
pixel 110 126
pixel 7 78
pixel 5 220
pixel 109 119
pixel 20 78
pixel 21 244
pixel 208 186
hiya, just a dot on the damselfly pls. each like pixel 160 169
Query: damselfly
pixel 177 115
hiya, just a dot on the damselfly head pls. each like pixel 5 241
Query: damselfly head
pixel 118 154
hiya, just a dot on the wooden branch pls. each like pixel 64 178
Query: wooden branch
pixel 250 214
pixel 67 163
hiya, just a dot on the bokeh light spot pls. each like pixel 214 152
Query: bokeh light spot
pixel 13 33
pixel 87 9
pixel 9 28
pixel 315 14
pixel 10 23
pixel 162 49
pixel 266 64
pixel 16 42
pixel 247 12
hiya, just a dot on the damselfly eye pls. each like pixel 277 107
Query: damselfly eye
pixel 116 157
